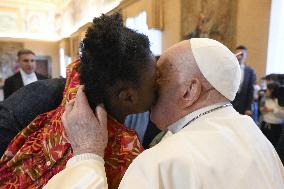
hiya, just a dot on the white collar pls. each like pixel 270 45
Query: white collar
pixel 28 78
pixel 178 125
pixel 24 74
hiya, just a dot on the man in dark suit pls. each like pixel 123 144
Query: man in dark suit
pixel 26 75
pixel 244 97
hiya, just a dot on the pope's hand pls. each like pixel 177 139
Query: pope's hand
pixel 86 131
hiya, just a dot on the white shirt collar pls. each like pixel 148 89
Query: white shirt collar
pixel 28 78
pixel 178 125
pixel 242 76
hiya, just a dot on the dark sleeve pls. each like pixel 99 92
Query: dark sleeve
pixel 7 88
pixel 17 111
pixel 151 132
pixel 251 89
pixel 40 76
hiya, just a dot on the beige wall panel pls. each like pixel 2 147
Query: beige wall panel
pixel 172 23
pixel 46 49
pixel 252 31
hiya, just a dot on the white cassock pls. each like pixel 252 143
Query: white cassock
pixel 220 150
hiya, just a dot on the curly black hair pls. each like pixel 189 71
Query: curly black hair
pixel 111 52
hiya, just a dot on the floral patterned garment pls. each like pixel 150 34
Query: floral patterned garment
pixel 41 150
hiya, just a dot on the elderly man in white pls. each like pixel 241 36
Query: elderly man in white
pixel 211 145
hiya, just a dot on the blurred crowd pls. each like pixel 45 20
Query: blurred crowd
pixel 268 106
pixel 264 101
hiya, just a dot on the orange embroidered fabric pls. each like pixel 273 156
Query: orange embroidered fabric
pixel 41 150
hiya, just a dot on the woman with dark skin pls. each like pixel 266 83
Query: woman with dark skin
pixel 118 70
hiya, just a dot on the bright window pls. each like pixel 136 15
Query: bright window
pixel 275 57
pixel 64 61
pixel 139 23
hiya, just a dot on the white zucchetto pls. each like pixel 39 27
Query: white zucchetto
pixel 218 65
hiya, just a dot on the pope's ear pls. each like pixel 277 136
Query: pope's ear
pixel 191 92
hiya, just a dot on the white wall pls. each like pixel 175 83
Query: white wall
pixel 275 57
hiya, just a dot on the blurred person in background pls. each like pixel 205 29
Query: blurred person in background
pixel 255 104
pixel 26 74
pixel 272 114
pixel 271 78
pixel 266 80
pixel 279 78
pixel 244 97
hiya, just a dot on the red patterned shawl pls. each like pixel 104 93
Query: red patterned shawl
pixel 41 149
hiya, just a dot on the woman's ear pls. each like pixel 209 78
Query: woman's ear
pixel 191 92
pixel 127 96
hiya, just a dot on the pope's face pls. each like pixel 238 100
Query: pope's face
pixel 165 109
pixel 176 71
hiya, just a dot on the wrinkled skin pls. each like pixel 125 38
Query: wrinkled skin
pixel 86 131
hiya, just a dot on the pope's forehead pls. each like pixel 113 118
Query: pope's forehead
pixel 176 55
pixel 179 48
